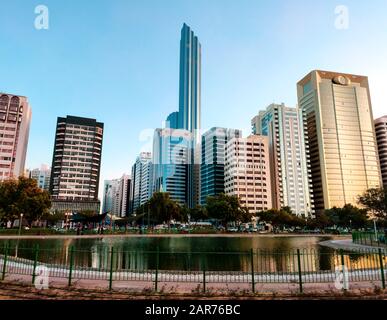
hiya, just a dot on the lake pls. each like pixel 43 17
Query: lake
pixel 271 253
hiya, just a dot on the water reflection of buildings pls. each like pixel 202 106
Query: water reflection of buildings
pixel 122 259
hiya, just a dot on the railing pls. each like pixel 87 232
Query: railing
pixel 261 266
pixel 369 238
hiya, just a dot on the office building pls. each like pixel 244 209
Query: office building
pixel 340 137
pixel 381 138
pixel 247 172
pixel 109 189
pixel 15 119
pixel 189 115
pixel 171 163
pixel 190 83
pixel 76 164
pixel 291 185
pixel 213 153
pixel 116 196
pixel 141 181
pixel 41 176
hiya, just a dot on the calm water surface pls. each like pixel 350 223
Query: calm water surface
pixel 272 254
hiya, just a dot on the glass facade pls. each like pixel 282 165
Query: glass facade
pixel 172 150
pixel 213 153
pixel 141 181
pixel 190 83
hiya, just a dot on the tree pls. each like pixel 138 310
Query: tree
pixel 227 209
pixel 321 221
pixel 198 213
pixel 281 218
pixel 347 216
pixel 23 195
pixel 375 201
pixel 163 208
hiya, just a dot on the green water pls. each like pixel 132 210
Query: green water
pixel 181 253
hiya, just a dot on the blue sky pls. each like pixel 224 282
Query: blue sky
pixel 117 61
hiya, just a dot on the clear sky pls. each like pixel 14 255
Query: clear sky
pixel 117 61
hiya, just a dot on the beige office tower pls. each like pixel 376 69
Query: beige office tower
pixel 247 172
pixel 341 137
pixel 381 138
pixel 15 119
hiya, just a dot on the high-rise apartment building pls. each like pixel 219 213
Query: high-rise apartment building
pixel 76 164
pixel 42 176
pixel 213 153
pixel 124 195
pixel 15 119
pixel 247 172
pixel 116 196
pixel 381 138
pixel 141 181
pixel 340 137
pixel 171 163
pixel 291 185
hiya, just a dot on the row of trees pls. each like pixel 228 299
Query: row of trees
pixel 162 209
pixel 23 195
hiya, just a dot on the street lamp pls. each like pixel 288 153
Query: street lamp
pixel 20 223
pixel 376 230
pixel 18 238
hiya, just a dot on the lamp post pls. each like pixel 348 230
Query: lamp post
pixel 20 223
pixel 376 230
pixel 18 238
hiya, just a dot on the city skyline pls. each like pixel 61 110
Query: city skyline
pixel 52 96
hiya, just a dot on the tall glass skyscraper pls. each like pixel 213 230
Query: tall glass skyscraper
pixel 189 115
pixel 290 182
pixel 190 83
pixel 213 146
pixel 171 163
pixel 340 137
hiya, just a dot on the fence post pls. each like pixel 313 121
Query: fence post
pixel 204 277
pixel 71 265
pixel 299 269
pixel 111 269
pixel 35 263
pixel 5 260
pixel 382 268
pixel 157 268
pixel 252 270
pixel 343 267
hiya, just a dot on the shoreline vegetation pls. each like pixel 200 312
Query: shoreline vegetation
pixel 168 235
